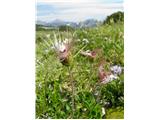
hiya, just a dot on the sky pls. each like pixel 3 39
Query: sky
pixel 76 10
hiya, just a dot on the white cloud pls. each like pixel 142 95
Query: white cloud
pixel 79 12
pixel 72 1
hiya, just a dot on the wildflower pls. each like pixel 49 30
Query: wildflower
pixel 116 69
pixel 109 78
pixel 59 46
pixel 104 76
pixel 91 54
pixel 85 109
pixel 106 38
pixel 103 111
pixel 96 93
pixel 107 104
pixel 113 77
pixel 63 50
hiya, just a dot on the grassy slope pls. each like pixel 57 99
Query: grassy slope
pixel 58 86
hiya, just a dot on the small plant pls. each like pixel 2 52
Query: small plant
pixel 63 50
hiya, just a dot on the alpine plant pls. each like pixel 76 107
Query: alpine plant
pixel 105 76
pixel 62 49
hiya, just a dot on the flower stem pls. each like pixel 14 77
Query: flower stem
pixel 73 91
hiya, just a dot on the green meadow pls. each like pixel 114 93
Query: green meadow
pixel 74 90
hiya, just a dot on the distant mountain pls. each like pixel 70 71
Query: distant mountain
pixel 88 23
pixel 41 23
pixel 57 23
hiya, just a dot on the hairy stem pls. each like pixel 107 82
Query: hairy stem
pixel 73 91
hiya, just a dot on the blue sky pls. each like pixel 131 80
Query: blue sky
pixel 76 10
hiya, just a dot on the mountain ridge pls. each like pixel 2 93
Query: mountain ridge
pixel 58 23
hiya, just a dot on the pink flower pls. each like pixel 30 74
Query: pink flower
pixel 91 54
pixel 63 50
pixel 105 76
